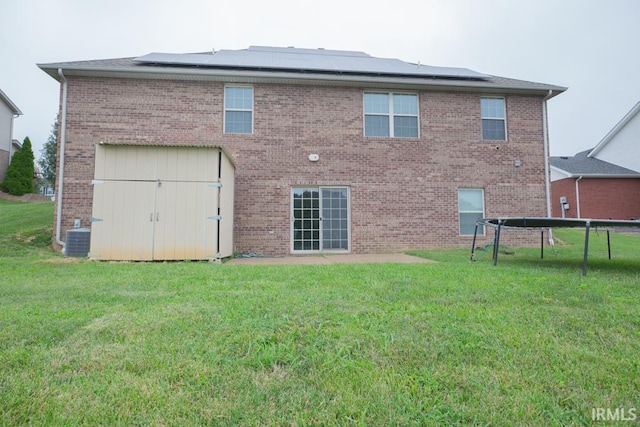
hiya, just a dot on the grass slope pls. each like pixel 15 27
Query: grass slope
pixel 527 342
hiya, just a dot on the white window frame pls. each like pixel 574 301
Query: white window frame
pixel 251 110
pixel 504 119
pixel 391 114
pixel 481 228
pixel 320 207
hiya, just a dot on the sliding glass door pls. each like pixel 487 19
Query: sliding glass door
pixel 320 219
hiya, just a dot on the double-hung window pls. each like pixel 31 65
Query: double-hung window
pixel 391 114
pixel 494 122
pixel 470 209
pixel 238 109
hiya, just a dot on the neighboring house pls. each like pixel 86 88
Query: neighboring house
pixel 603 182
pixel 329 151
pixel 8 146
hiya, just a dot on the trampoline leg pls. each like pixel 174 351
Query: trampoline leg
pixel 608 244
pixel 586 248
pixel 541 243
pixel 496 244
pixel 473 243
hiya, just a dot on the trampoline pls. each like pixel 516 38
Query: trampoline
pixel 541 223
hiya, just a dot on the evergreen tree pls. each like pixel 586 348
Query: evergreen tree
pixel 47 161
pixel 19 178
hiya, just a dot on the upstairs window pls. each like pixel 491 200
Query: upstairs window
pixel 391 114
pixel 238 109
pixel 494 122
pixel 470 209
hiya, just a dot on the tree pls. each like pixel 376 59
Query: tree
pixel 19 178
pixel 47 161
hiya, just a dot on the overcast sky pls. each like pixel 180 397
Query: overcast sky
pixel 589 46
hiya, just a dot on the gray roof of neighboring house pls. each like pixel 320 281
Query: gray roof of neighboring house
pixel 583 165
pixel 259 63
pixel 10 104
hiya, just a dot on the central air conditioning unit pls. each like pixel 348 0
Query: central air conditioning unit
pixel 77 242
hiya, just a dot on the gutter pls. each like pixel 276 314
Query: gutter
pixel 605 175
pixel 63 140
pixel 547 177
pixel 11 149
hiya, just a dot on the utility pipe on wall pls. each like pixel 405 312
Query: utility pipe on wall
pixel 578 197
pixel 545 138
pixel 63 140
pixel 11 149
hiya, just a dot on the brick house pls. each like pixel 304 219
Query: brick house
pixel 8 146
pixel 603 182
pixel 333 150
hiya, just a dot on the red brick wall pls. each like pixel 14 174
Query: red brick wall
pixel 602 198
pixel 403 191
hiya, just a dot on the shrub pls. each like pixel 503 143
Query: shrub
pixel 19 178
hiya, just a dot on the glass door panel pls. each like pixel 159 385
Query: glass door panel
pixel 306 219
pixel 335 229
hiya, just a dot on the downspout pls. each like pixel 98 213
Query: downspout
pixel 11 149
pixel 63 140
pixel 547 185
pixel 578 197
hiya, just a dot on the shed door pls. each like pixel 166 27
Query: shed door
pixel 185 226
pixel 155 203
pixel 122 223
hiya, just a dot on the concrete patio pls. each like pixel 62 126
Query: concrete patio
pixel 332 259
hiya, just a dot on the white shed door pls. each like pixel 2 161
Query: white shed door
pixel 122 223
pixel 155 203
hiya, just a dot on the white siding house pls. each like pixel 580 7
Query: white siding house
pixel 8 111
pixel 621 146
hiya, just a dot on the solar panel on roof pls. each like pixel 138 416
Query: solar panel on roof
pixel 307 60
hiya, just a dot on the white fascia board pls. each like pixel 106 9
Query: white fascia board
pixel 621 124
pixel 568 174
pixel 13 107
pixel 563 172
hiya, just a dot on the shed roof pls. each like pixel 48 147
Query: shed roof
pixel 293 65
pixel 583 165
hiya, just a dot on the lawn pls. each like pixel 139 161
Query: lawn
pixel 528 342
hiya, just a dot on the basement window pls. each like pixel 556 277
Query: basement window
pixel 470 209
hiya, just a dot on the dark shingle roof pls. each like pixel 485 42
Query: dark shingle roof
pixel 581 164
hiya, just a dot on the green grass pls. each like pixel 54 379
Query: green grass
pixel 528 342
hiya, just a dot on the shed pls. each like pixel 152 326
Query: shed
pixel 161 203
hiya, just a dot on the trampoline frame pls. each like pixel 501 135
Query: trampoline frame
pixel 541 223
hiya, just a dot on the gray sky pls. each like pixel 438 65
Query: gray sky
pixel 589 46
